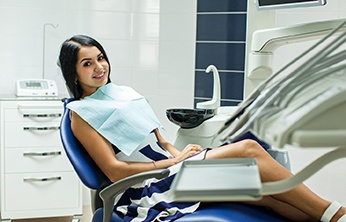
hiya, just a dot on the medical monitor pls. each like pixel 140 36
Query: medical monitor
pixel 277 4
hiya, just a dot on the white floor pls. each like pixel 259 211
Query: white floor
pixel 87 215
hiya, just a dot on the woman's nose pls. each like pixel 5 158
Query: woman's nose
pixel 98 67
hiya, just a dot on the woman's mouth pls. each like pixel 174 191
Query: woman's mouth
pixel 99 76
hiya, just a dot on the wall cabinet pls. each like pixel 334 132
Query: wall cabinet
pixel 36 178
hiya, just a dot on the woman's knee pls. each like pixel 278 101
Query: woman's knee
pixel 243 149
pixel 251 148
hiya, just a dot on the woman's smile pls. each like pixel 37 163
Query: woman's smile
pixel 100 76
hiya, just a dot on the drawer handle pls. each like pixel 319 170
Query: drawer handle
pixel 33 179
pixel 41 128
pixel 39 106
pixel 54 153
pixel 25 115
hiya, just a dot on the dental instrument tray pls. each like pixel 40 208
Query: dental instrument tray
pixel 189 118
pixel 231 179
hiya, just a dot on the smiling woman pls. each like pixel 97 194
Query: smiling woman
pixel 77 65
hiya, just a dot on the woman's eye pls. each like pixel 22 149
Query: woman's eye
pixel 87 64
pixel 101 57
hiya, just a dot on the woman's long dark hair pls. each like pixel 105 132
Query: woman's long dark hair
pixel 68 60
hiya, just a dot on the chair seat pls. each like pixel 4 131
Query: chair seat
pixel 232 212
pixel 218 212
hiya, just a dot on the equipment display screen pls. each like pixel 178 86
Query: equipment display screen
pixel 33 84
pixel 36 88
pixel 274 4
pixel 30 84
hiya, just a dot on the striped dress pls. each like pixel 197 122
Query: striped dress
pixel 152 199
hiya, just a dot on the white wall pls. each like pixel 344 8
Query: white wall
pixel 330 181
pixel 150 43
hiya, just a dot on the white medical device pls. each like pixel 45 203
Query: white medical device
pixel 266 41
pixel 36 88
pixel 266 99
pixel 305 106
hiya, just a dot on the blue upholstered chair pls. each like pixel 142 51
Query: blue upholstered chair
pixel 93 178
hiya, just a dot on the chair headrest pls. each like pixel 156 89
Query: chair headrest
pixel 87 170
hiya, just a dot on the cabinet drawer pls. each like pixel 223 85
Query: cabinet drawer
pixel 33 111
pixel 22 160
pixel 41 134
pixel 25 192
pixel 33 116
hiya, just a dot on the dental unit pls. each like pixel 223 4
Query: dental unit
pixel 303 104
pixel 269 88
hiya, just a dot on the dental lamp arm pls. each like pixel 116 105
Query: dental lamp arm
pixel 267 40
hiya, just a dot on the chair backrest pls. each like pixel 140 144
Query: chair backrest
pixel 87 170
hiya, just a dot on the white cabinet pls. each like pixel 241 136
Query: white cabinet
pixel 36 178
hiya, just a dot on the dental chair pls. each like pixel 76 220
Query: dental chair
pixel 93 178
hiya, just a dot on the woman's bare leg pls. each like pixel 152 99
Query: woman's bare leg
pixel 300 197
pixel 284 209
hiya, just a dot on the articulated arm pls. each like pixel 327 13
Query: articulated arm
pixel 266 41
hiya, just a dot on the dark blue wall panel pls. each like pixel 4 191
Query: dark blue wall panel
pixel 222 5
pixel 231 85
pixel 225 56
pixel 221 27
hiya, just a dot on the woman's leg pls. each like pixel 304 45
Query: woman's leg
pixel 300 197
pixel 284 209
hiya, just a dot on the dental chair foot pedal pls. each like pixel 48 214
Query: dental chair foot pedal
pixel 234 179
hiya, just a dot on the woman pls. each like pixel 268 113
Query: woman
pixel 86 69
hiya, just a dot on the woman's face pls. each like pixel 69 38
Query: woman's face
pixel 92 69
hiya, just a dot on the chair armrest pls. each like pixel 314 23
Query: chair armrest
pixel 109 193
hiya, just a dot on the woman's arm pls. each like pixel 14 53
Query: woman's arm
pixel 175 151
pixel 168 146
pixel 102 153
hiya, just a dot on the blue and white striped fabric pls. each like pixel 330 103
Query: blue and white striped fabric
pixel 152 200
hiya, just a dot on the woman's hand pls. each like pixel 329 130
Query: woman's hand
pixel 188 151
